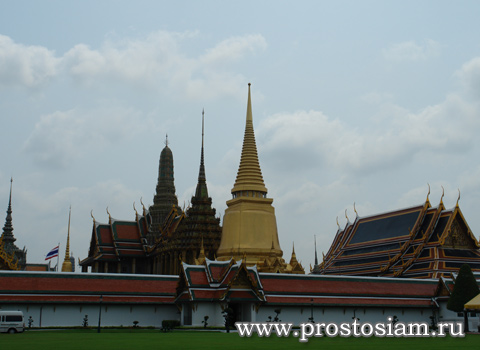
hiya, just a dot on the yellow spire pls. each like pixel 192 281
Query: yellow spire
pixel 67 264
pixel 201 256
pixel 249 176
pixel 294 256
pixel 249 224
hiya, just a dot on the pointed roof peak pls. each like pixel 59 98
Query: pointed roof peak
pixel 249 105
pixel 249 175
pixel 8 228
pixel 67 264
pixel 201 190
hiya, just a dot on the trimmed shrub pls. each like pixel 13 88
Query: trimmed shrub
pixel 465 289
pixel 168 325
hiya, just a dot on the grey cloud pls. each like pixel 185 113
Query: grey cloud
pixel 61 137
pixel 26 66
pixel 411 51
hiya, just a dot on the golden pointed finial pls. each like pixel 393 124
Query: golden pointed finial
pixel 109 216
pixel 443 194
pixel 91 214
pixel 135 209
pixel 428 194
pixel 346 215
pixel 338 223
pixel 458 199
pixel 355 210
pixel 67 264
pixel 143 206
pixel 293 247
pixel 249 175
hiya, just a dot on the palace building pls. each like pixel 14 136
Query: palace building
pixel 417 242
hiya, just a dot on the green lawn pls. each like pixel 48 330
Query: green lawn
pixel 154 339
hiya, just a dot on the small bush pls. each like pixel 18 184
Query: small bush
pixel 168 325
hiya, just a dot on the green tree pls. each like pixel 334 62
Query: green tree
pixel 465 289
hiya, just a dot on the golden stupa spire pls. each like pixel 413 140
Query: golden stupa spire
pixel 249 176
pixel 201 256
pixel 249 229
pixel 67 264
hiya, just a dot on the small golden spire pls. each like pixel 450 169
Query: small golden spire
pixel 346 215
pixel 428 194
pixel 338 223
pixel 67 264
pixel 458 199
pixel 443 194
pixel 355 210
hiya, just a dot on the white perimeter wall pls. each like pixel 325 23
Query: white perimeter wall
pixel 71 315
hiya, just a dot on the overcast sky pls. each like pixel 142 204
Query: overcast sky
pixel 353 101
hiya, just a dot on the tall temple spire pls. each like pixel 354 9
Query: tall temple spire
pixel 199 232
pixel 19 257
pixel 201 191
pixel 249 223
pixel 316 259
pixel 249 175
pixel 7 234
pixel 165 197
pixel 67 264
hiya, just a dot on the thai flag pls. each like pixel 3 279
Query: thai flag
pixel 52 253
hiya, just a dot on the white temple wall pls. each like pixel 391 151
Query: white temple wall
pixel 72 315
pixel 297 314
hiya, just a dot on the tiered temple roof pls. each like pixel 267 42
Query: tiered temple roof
pixel 417 242
pixel 220 280
pixel 116 245
pixel 236 282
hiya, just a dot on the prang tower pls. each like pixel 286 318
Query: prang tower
pixel 249 224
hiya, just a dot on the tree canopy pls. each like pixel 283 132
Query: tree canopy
pixel 465 289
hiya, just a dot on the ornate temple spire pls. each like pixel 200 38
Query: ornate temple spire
pixel 293 258
pixel 249 176
pixel 67 264
pixel 202 191
pixel 165 197
pixel 7 234
pixel 249 224
pixel 316 258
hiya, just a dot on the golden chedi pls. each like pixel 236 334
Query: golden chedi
pixel 249 224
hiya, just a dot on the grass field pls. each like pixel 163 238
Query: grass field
pixel 154 339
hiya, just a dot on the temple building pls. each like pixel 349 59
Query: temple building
pixel 249 224
pixel 11 257
pixel 119 246
pixel 165 236
pixel 417 242
pixel 191 236
pixel 158 241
